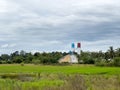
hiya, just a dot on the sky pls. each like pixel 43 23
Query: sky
pixel 52 25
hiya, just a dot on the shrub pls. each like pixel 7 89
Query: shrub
pixel 117 61
pixel 101 62
pixel 0 62
pixel 88 60
pixel 36 62
pixel 22 64
pixel 3 62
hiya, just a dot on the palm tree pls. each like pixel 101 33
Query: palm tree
pixel 111 52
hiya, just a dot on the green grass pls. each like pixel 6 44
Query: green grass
pixel 49 77
pixel 72 69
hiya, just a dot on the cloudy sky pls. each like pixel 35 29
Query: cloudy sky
pixel 52 25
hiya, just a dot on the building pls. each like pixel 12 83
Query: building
pixel 69 59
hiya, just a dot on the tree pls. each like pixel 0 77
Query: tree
pixel 87 58
pixel 36 54
pixel 107 56
pixel 117 61
pixel 28 58
pixel 16 53
pixel 5 57
pixel 111 52
pixel 117 53
pixel 18 59
pixel 22 53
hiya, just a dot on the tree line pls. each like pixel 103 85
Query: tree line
pixel 109 58
pixel 36 58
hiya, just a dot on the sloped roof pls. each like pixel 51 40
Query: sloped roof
pixel 69 59
pixel 66 58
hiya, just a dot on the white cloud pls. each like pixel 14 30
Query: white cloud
pixel 4 46
pixel 12 45
pixel 3 6
pixel 99 45
pixel 8 45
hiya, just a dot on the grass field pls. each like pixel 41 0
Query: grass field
pixel 53 77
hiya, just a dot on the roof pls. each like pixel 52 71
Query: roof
pixel 69 59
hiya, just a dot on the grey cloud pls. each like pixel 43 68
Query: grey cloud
pixel 44 25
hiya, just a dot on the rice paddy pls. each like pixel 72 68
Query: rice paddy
pixel 56 77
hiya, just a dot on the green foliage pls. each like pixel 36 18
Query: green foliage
pixel 111 52
pixel 22 64
pixel 36 62
pixel 100 58
pixel 100 63
pixel 116 61
pixel 111 62
pixel 18 59
pixel 5 57
pixel 37 58
pixel 87 58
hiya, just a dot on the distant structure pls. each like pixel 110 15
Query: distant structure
pixel 73 47
pixel 78 48
pixel 71 57
pixel 65 59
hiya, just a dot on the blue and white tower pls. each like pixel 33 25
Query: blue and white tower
pixel 73 57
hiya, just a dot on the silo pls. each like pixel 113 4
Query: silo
pixel 73 57
pixel 73 47
pixel 78 48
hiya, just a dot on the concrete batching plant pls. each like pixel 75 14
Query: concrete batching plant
pixel 71 57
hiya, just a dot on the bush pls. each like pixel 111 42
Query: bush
pixel 22 64
pixel 116 61
pixel 36 62
pixel 100 63
pixel 3 62
pixel 8 62
pixel 103 62
pixel 88 60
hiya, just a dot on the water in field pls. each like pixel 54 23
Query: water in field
pixel 20 77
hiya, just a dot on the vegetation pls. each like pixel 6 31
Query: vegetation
pixel 37 58
pixel 109 58
pixel 67 69
pixel 49 77
pixel 41 71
